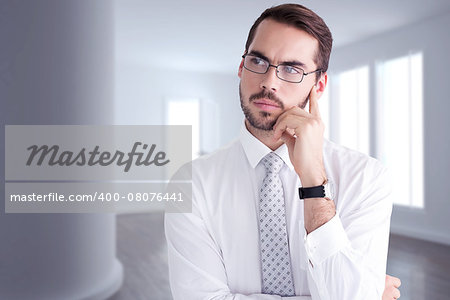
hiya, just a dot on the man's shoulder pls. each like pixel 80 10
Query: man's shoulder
pixel 356 178
pixel 220 157
pixel 344 158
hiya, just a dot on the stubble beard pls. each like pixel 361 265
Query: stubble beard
pixel 263 120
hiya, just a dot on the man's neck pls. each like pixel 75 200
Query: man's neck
pixel 264 136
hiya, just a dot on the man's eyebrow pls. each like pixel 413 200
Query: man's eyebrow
pixel 259 54
pixel 290 62
pixel 294 63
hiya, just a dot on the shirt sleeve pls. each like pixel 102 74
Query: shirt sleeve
pixel 347 255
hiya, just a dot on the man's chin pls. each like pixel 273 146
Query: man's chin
pixel 265 125
pixel 260 120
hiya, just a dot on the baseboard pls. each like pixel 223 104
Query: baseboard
pixel 421 234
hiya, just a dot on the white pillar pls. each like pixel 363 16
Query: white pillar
pixel 56 67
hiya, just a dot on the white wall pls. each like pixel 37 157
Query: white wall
pixel 432 38
pixel 141 91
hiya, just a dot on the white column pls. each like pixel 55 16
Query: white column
pixel 56 67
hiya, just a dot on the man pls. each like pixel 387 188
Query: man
pixel 281 212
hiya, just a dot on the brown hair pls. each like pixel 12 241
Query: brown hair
pixel 302 18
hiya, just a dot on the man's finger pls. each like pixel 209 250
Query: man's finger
pixel 289 140
pixel 391 280
pixel 292 122
pixel 396 293
pixel 396 281
pixel 313 104
pixel 294 110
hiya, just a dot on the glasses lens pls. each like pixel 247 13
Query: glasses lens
pixel 256 64
pixel 290 73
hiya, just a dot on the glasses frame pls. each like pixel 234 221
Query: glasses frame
pixel 276 68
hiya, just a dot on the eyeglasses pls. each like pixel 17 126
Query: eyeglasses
pixel 285 72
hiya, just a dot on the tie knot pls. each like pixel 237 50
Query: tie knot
pixel 272 162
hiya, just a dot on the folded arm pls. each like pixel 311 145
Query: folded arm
pixel 196 267
pixel 347 255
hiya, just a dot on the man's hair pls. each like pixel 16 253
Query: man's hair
pixel 302 18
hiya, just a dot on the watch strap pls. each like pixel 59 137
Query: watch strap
pixel 312 192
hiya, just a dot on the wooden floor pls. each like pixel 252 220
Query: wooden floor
pixel 141 247
pixel 423 267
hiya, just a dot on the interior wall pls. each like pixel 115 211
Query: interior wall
pixel 141 93
pixel 431 37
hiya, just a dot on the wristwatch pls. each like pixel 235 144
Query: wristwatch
pixel 320 191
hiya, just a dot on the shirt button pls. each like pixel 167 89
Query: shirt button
pixel 312 247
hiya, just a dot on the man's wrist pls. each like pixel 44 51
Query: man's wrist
pixel 315 176
pixel 313 181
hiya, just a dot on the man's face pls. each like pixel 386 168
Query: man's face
pixel 264 97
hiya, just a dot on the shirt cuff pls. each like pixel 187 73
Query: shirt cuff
pixel 325 241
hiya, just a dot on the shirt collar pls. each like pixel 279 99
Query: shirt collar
pixel 255 150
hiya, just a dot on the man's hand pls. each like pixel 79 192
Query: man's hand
pixel 303 134
pixel 391 290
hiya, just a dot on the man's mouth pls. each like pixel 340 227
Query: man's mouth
pixel 266 104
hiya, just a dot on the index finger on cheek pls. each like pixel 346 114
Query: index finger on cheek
pixel 313 103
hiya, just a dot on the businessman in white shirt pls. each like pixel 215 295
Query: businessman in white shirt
pixel 282 213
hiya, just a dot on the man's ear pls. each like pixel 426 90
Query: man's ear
pixel 322 84
pixel 241 66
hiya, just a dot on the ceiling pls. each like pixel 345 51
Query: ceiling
pixel 209 36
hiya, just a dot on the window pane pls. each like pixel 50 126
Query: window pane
pixel 353 105
pixel 400 126
pixel 416 131
pixel 186 112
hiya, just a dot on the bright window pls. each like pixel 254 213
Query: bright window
pixel 186 112
pixel 400 126
pixel 351 92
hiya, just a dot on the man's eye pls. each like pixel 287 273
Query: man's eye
pixel 257 61
pixel 291 69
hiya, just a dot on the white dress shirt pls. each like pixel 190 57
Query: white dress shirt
pixel 214 251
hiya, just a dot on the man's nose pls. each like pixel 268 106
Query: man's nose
pixel 270 81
